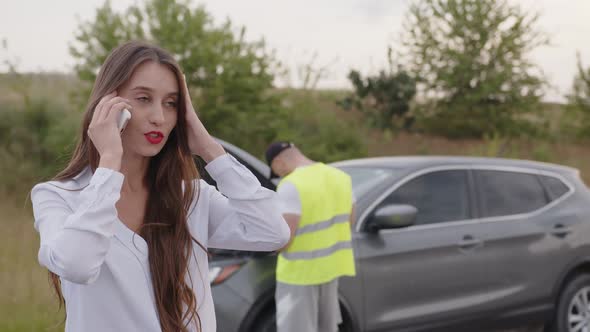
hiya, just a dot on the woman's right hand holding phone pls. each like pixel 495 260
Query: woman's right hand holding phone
pixel 103 130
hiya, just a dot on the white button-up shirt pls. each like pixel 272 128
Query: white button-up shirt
pixel 103 265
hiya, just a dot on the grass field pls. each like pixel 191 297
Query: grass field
pixel 27 302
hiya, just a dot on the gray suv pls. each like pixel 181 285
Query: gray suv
pixel 441 244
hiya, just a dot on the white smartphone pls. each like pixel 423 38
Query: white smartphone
pixel 123 119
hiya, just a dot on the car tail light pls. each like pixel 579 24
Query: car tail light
pixel 218 274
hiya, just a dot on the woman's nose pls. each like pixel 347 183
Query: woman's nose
pixel 157 115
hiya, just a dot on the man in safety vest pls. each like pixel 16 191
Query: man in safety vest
pixel 317 203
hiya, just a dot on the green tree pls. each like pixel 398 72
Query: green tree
pixel 578 108
pixel 230 77
pixel 471 57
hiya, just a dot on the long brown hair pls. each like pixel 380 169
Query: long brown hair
pixel 170 244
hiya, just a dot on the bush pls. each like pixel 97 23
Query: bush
pixel 35 141
pixel 384 99
pixel 320 133
pixel 577 120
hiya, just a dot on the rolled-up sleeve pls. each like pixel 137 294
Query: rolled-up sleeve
pixel 243 215
pixel 75 240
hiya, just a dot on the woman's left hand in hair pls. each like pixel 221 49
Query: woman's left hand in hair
pixel 200 141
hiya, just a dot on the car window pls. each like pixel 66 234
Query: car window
pixel 555 187
pixel 506 193
pixel 439 196
pixel 366 178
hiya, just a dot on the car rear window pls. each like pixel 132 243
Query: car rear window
pixel 555 187
pixel 504 193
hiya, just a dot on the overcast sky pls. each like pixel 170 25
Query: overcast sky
pixel 345 33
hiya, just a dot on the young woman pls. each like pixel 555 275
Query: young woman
pixel 125 227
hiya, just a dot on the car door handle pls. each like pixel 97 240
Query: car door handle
pixel 560 230
pixel 469 242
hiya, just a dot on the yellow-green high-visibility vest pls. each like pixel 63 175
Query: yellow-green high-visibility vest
pixel 321 249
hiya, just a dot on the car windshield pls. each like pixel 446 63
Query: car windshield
pixel 366 178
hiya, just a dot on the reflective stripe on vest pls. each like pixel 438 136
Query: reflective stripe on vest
pixel 321 249
pixel 322 224
pixel 318 253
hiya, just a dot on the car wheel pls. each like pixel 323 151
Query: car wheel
pixel 266 322
pixel 573 307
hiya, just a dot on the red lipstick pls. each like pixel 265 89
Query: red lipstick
pixel 154 137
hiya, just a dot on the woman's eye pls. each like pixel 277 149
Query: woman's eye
pixel 171 104
pixel 143 99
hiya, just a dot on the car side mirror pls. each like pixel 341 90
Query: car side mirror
pixel 392 216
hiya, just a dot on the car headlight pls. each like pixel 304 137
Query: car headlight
pixel 218 274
